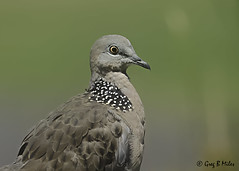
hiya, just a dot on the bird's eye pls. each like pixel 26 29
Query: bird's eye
pixel 114 50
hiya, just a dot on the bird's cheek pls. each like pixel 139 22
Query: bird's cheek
pixel 116 66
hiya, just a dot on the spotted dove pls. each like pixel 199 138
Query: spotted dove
pixel 102 129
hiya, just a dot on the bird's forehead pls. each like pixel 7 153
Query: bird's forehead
pixel 114 39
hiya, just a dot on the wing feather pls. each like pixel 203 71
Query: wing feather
pixel 79 135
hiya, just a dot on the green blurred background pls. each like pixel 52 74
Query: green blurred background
pixel 190 95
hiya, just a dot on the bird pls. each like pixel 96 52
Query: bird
pixel 102 129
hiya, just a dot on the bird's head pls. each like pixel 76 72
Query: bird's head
pixel 113 53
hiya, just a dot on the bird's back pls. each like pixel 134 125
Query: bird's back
pixel 79 135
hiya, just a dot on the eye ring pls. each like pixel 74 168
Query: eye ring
pixel 114 50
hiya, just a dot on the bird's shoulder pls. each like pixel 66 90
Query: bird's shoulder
pixel 79 134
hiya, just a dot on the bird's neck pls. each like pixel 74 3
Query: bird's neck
pixel 121 82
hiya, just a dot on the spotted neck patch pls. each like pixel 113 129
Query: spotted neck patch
pixel 109 94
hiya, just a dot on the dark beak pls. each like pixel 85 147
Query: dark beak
pixel 138 61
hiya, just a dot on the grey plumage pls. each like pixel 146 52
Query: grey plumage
pixel 102 129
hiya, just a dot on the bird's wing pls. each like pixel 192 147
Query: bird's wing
pixel 79 135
